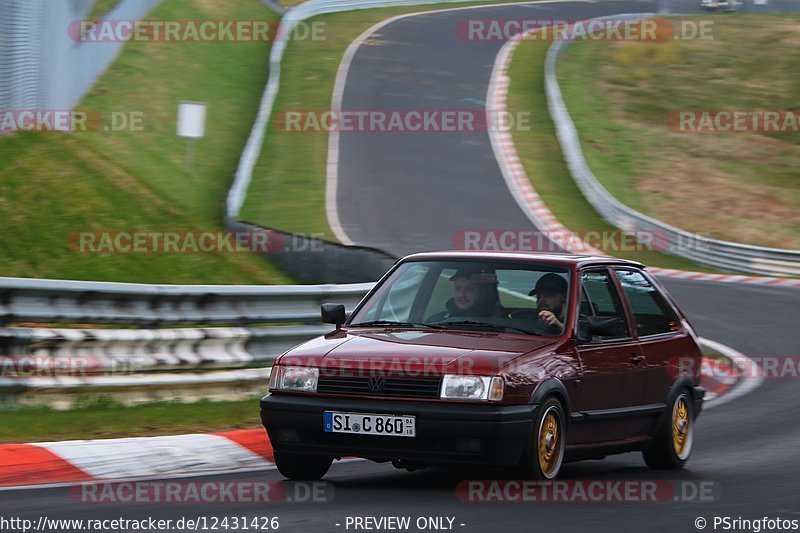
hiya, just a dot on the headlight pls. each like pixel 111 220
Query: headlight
pixel 455 387
pixel 297 378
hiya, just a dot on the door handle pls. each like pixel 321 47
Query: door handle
pixel 637 359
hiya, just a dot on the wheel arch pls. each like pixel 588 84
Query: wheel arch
pixel 552 387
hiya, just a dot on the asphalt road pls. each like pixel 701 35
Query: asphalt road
pixel 406 193
pixel 411 192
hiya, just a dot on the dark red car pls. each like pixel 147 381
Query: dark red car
pixel 501 359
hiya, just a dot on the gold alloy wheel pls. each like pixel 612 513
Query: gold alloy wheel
pixel 681 427
pixel 550 449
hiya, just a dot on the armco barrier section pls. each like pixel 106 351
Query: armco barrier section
pixel 56 366
pixel 141 351
pixel 92 302
pixel 713 252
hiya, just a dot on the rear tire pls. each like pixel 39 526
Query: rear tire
pixel 300 467
pixel 544 452
pixel 673 443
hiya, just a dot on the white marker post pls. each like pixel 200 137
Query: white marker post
pixel 191 125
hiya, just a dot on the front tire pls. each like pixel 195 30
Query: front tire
pixel 673 443
pixel 300 467
pixel 544 452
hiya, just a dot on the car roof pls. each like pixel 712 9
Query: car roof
pixel 575 260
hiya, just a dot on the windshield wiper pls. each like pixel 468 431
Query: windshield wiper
pixel 485 325
pixel 392 323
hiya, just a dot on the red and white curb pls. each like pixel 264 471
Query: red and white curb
pixel 724 383
pixel 77 461
pixel 532 205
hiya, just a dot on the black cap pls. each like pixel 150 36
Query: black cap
pixel 549 284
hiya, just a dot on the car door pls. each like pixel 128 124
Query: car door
pixel 663 338
pixel 610 390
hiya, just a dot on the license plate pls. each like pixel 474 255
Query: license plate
pixel 370 424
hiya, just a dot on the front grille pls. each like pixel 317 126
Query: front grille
pixel 393 386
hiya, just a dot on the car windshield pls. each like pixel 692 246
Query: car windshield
pixel 512 297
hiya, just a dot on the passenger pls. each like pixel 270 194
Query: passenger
pixel 551 294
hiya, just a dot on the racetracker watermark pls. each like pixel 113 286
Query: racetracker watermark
pixel 765 366
pixel 203 492
pixel 403 367
pixel 191 31
pixel 587 491
pixel 191 242
pixel 75 121
pixel 609 29
pixel 527 240
pixel 402 121
pixel 52 366
pixel 735 121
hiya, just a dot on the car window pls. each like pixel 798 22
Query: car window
pixel 513 291
pixel 651 311
pixel 442 292
pixel 397 301
pixel 515 286
pixel 514 297
pixel 599 299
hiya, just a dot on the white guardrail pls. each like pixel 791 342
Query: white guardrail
pixel 304 11
pixel 716 253
pixel 56 365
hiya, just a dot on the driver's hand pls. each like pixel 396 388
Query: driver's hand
pixel 550 319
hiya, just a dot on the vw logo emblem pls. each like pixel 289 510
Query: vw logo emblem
pixel 376 383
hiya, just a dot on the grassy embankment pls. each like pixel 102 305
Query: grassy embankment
pixel 624 98
pixel 54 185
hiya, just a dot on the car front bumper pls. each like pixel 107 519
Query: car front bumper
pixel 447 432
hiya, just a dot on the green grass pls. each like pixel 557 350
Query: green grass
pixel 540 154
pixel 108 419
pixel 53 185
pixel 734 186
pixel 100 8
pixel 288 186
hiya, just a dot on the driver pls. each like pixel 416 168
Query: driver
pixel 551 295
pixel 474 294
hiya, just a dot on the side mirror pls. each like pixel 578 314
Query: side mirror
pixel 333 314
pixel 602 326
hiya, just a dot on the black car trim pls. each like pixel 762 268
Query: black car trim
pixel 655 408
pixel 450 411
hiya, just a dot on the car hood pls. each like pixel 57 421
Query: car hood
pixel 414 351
